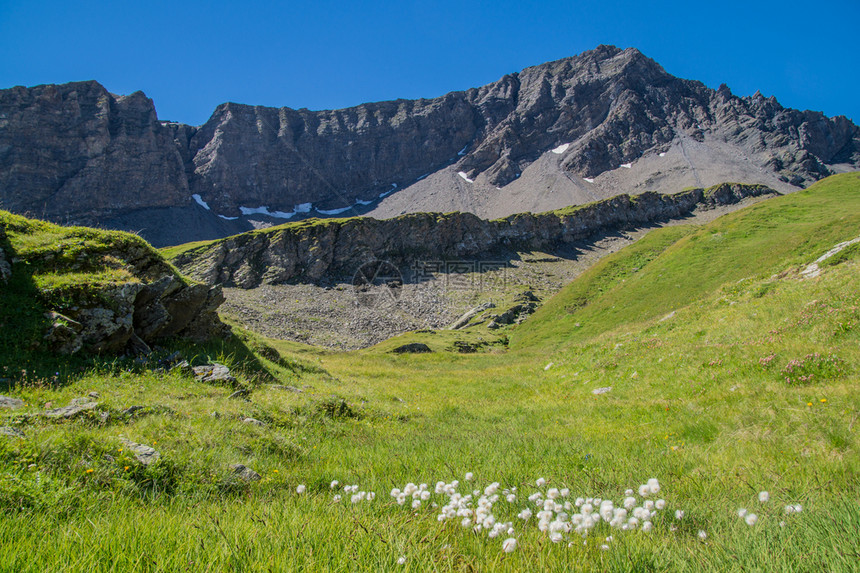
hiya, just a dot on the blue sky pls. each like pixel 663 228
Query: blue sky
pixel 191 56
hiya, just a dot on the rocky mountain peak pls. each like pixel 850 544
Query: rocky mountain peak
pixel 564 132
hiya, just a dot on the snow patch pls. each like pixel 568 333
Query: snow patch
pixel 663 154
pixel 200 201
pixel 422 177
pixel 589 179
pixel 361 202
pixel 226 218
pixel 561 148
pixel 333 211
pixel 389 192
pixel 303 207
pixel 626 165
pixel 265 211
pixel 462 152
pixel 465 177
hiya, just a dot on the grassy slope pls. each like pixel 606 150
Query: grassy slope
pixel 699 400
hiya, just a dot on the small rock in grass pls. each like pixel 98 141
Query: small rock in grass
pixel 253 422
pixel 214 373
pixel 287 388
pixel 11 432
pixel 132 409
pixel 603 390
pixel 183 368
pixel 144 454
pixel 7 402
pixel 72 410
pixel 412 348
pixel 245 473
pixel 243 393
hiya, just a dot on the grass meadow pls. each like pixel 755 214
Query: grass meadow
pixel 728 375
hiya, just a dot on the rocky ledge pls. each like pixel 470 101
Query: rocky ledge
pixel 316 250
pixel 102 292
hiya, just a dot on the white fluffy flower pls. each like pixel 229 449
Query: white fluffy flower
pixel 511 498
pixel 604 547
pixel 660 504
pixel 525 514
pixel 334 484
pixel 751 519
pixel 763 497
pixel 401 560
pixel 300 489
pixel 416 503
pixel 469 476
pixel 653 486
pixel 644 490
pixel 336 498
pixel 540 482
pixel 679 514
pixel 647 526
pixel 703 534
pixel 742 512
pixel 555 537
pixel 509 545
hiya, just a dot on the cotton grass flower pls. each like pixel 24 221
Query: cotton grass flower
pixel 469 476
pixel 401 560
pixel 301 489
pixel 334 484
pixel 703 535
pixel 679 514
pixel 763 497
pixel 751 519
pixel 540 482
pixel 509 545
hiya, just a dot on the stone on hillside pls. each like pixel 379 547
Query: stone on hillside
pixel 464 320
pixel 72 410
pixel 64 334
pixel 131 410
pixel 253 422
pixel 242 393
pixel 7 402
pixel 11 432
pixel 287 388
pixel 603 390
pixel 214 374
pixel 183 368
pixel 245 473
pixel 412 348
pixel 144 454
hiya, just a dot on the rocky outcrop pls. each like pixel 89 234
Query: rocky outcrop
pixel 317 249
pixel 75 152
pixel 106 292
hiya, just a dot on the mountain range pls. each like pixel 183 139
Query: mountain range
pixel 572 131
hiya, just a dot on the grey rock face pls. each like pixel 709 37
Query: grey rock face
pixel 338 247
pixel 74 152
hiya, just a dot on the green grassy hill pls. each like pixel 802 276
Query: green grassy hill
pixel 728 373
